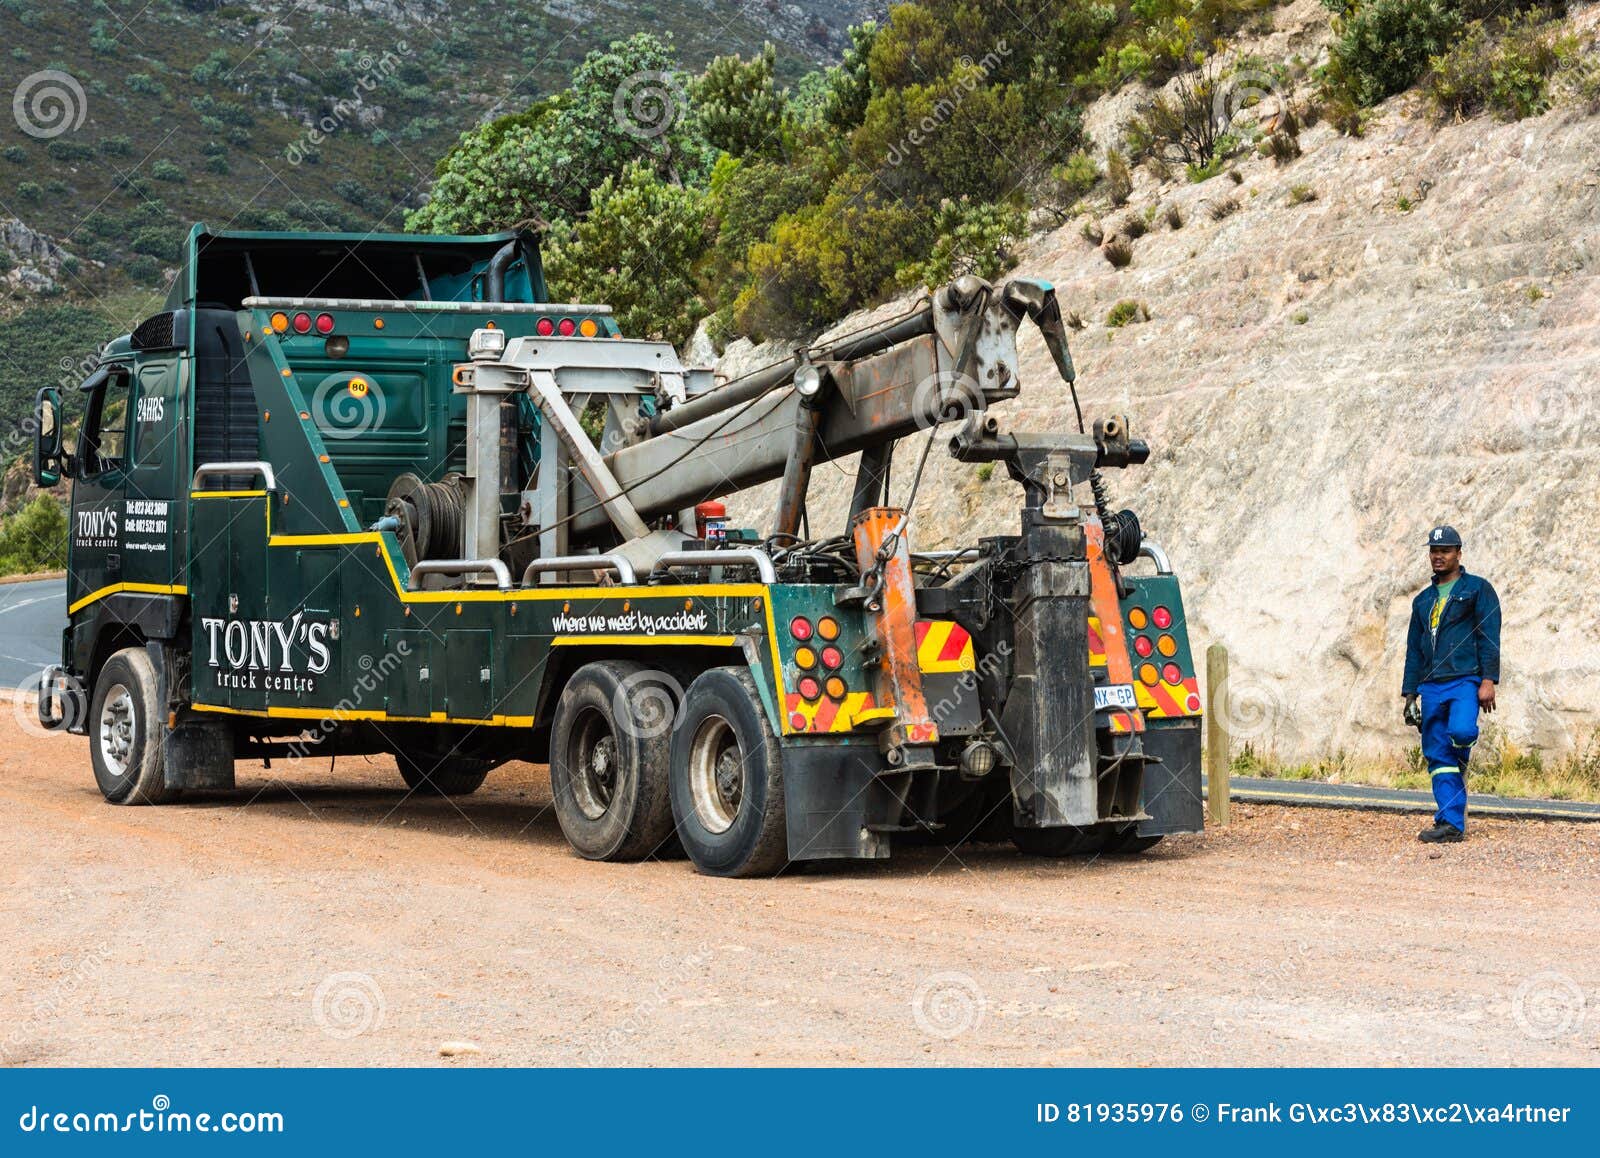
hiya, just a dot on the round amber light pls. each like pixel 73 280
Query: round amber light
pixel 1167 645
pixel 587 328
pixel 1148 674
pixel 836 688
pixel 280 322
pixel 828 627
pixel 805 657
pixel 1137 619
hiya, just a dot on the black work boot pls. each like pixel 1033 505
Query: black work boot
pixel 1441 833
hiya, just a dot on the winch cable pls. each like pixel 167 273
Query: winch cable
pixel 694 445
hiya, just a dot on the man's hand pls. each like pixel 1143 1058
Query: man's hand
pixel 1486 695
pixel 1413 711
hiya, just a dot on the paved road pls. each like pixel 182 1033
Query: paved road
pixel 31 618
pixel 1316 793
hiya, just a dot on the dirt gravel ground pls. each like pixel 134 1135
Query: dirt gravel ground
pixel 322 917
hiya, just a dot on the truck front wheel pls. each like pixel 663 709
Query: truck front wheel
pixel 727 778
pixel 608 761
pixel 126 730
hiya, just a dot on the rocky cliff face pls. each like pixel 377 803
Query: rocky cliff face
pixel 1324 379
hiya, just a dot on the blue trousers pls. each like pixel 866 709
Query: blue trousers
pixel 1449 729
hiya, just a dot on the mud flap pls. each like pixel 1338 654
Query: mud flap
pixel 1172 797
pixel 1048 719
pixel 833 799
pixel 199 753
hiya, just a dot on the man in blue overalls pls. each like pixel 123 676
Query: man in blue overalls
pixel 1452 667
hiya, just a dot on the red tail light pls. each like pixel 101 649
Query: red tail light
pixel 302 323
pixel 832 657
pixel 568 327
pixel 324 324
pixel 545 327
pixel 1172 674
pixel 1141 644
pixel 810 689
pixel 800 628
pixel 1162 618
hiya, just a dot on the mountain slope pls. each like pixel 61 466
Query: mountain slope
pixel 295 115
pixel 1390 332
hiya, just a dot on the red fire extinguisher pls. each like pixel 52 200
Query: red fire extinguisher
pixel 711 523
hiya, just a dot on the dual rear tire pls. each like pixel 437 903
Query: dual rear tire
pixel 640 767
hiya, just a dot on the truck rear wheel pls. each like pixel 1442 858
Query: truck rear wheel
pixel 609 743
pixel 126 730
pixel 727 778
pixel 1128 840
pixel 442 775
pixel 1064 841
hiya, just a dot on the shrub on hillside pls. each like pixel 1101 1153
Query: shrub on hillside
pixel 973 238
pixel 1509 76
pixel 1382 47
pixel 739 108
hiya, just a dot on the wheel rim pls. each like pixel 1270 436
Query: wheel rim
pixel 594 760
pixel 716 774
pixel 117 729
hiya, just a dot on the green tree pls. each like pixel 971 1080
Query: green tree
pixel 625 106
pixel 637 250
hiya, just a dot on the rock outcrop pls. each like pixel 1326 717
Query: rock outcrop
pixel 1389 332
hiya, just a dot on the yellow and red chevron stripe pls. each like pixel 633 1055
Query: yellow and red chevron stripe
pixel 1097 643
pixel 1169 701
pixel 943 646
pixel 827 714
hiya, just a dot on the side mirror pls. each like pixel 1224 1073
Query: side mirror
pixel 47 437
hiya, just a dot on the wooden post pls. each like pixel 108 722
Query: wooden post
pixel 1219 748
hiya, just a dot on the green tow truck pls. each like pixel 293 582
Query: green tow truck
pixel 375 493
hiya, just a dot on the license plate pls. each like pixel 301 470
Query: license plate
pixel 1114 696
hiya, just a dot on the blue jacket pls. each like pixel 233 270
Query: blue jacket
pixel 1468 643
